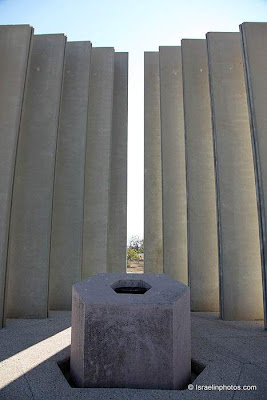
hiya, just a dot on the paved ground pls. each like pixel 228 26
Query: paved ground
pixel 234 353
pixel 135 267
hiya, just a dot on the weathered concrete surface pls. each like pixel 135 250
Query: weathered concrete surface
pixel 255 57
pixel 201 195
pixel 97 168
pixel 239 249
pixel 15 45
pixel 117 229
pixel 30 225
pixel 67 219
pixel 131 340
pixel 233 353
pixel 153 258
pixel 173 164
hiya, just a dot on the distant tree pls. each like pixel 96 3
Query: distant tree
pixel 137 244
pixel 133 255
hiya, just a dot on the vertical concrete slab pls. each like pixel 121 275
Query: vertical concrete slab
pixel 30 226
pixel 173 164
pixel 239 248
pixel 153 257
pixel 97 167
pixel 15 45
pixel 255 57
pixel 201 195
pixel 117 229
pixel 67 220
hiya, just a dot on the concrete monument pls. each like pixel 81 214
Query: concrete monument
pixel 15 48
pixel 31 213
pixel 174 212
pixel 254 39
pixel 67 220
pixel 131 331
pixel 153 178
pixel 203 266
pixel 117 227
pixel 239 250
pixel 97 164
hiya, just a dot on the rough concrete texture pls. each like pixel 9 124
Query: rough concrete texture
pixel 201 195
pixel 131 340
pixel 117 229
pixel 153 180
pixel 233 353
pixel 173 164
pixel 255 57
pixel 97 168
pixel 30 225
pixel 239 253
pixel 67 220
pixel 15 45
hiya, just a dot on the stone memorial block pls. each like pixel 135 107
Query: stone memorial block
pixel 131 331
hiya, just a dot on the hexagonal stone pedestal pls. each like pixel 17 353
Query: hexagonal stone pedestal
pixel 131 330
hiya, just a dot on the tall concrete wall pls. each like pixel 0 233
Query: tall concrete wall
pixel 201 195
pixel 63 174
pixel 15 47
pixel 153 178
pixel 30 226
pixel 117 229
pixel 67 221
pixel 173 164
pixel 97 168
pixel 89 189
pixel 239 253
pixel 254 37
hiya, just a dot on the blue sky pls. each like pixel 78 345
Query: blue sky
pixel 133 26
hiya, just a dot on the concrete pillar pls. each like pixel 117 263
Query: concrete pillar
pixel 117 229
pixel 173 164
pixel 255 57
pixel 239 250
pixel 153 256
pixel 67 220
pixel 201 195
pixel 30 226
pixel 15 46
pixel 97 168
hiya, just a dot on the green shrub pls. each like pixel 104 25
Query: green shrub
pixel 133 255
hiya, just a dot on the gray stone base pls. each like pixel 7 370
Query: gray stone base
pixel 234 353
